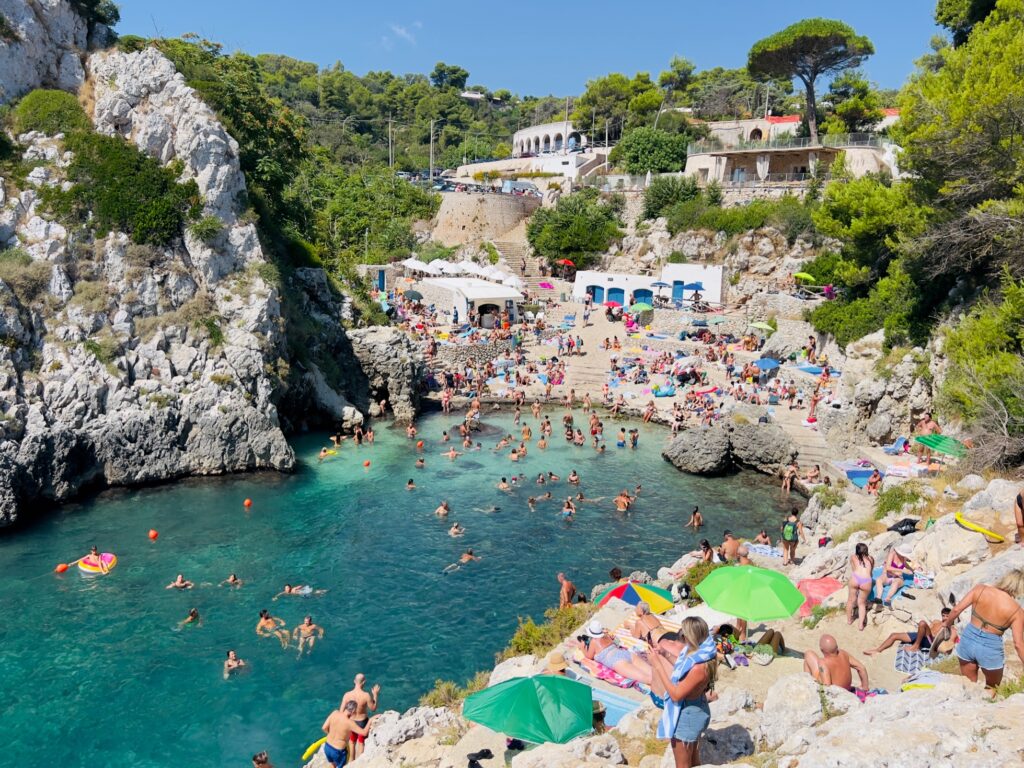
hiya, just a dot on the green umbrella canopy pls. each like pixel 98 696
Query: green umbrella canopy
pixel 751 593
pixel 803 276
pixel 641 306
pixel 762 326
pixel 535 709
pixel 943 444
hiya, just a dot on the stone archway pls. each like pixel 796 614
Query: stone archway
pixel 756 135
pixel 546 143
pixel 558 142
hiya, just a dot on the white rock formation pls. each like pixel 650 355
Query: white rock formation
pixel 47 49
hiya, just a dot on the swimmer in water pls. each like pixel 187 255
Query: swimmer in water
pixel 573 478
pixel 542 443
pixel 299 590
pixel 445 437
pixel 466 557
pixel 192 618
pixel 456 530
pixel 503 485
pixel 307 633
pixel 180 583
pixel 420 463
pixel 272 626
pixel 232 664
pixel 553 478
pixel 231 581
pixel 568 509
pixel 442 509
pixel 696 519
pixel 410 486
pixel 451 453
pixel 488 510
pixel 532 504
pixel 541 479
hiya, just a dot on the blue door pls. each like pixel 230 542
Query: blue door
pixel 597 291
pixel 617 294
pixel 647 297
pixel 380 279
pixel 677 290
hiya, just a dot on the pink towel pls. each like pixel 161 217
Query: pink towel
pixel 601 672
pixel 816 590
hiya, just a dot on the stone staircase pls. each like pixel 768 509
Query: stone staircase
pixel 514 254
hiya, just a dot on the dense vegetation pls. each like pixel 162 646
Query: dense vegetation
pixel 50 112
pixel 580 227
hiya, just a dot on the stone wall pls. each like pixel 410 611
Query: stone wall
pixel 466 218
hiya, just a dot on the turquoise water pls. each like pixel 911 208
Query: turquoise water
pixel 94 670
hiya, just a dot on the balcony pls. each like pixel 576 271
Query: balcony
pixel 830 141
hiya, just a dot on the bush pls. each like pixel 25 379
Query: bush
pixel 23 275
pixel 677 257
pixel 213 330
pixel 538 639
pixel 649 149
pixel 433 250
pixel 696 575
pixel 448 694
pixel 829 497
pixel 892 499
pixel 103 348
pixel 713 193
pixel 131 43
pixel 91 295
pixel 666 191
pixel 492 253
pixel 819 613
pixel 117 187
pixel 50 112
pixel 206 229
pixel 787 214
pixel 580 227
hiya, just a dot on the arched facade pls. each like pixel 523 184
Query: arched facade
pixel 549 137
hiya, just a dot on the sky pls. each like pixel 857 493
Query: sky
pixel 531 48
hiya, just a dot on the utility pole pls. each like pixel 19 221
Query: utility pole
pixel 767 98
pixel 565 130
pixel 430 178
pixel 390 143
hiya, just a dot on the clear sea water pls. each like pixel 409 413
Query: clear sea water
pixel 94 670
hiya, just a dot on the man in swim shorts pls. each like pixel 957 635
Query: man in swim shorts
pixel 272 626
pixel 180 583
pixel 307 633
pixel 339 727
pixel 365 703
pixel 567 592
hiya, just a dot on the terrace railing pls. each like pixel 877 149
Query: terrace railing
pixel 835 141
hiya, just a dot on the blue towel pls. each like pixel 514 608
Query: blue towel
pixel 686 661
pixel 908 580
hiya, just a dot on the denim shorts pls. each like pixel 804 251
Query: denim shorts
pixel 693 720
pixel 982 648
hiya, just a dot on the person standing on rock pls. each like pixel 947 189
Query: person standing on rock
pixel 994 610
pixel 365 703
pixel 792 532
pixel 1018 517
pixel 339 727
pixel 567 592
pixel 861 565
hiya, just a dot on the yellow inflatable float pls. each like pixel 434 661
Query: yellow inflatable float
pixel 995 538
pixel 312 748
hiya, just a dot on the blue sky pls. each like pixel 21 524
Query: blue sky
pixel 527 46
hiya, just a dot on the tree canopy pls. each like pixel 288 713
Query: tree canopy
pixel 580 227
pixel 807 50
pixel 650 149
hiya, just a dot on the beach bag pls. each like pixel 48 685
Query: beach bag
pixel 905 526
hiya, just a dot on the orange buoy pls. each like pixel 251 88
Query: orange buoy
pixel 419 444
pixel 247 502
pixel 366 463
pixel 61 568
pixel 153 534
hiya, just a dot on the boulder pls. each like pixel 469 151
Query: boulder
pixel 971 483
pixel 591 752
pixel 764 447
pixel 946 544
pixel 819 519
pixel 517 666
pixel 988 572
pixel 700 451
pixel 796 702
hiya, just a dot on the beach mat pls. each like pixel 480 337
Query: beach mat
pixel 913 661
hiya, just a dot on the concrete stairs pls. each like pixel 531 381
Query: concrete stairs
pixel 515 254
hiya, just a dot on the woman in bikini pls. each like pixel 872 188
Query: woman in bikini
pixel 994 610
pixel 645 623
pixel 861 565
pixel 897 562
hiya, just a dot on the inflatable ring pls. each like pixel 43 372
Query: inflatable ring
pixel 312 748
pixel 109 559
pixel 331 453
pixel 995 538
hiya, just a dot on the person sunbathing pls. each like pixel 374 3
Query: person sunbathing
pixel 874 483
pixel 645 623
pixel 834 666
pixel 599 647
pixel 927 637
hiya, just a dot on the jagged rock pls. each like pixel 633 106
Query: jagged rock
pixel 588 752
pixel 764 447
pixel 518 666
pixel 796 702
pixel 988 572
pixel 971 483
pixel 391 730
pixel 816 517
pixel 393 366
pixel 46 52
pixel 700 451
pixel 946 544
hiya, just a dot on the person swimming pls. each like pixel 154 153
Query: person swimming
pixel 272 626
pixel 456 530
pixel 307 633
pixel 420 463
pixel 411 485
pixel 180 582
pixel 442 509
pixel 299 590
pixel 232 664
pixel 465 557
pixel 192 620
pixel 231 581
pixel 573 479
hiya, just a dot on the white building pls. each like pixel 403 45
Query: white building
pixel 548 137
pixel 612 286
pixel 469 295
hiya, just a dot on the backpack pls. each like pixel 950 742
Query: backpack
pixel 789 532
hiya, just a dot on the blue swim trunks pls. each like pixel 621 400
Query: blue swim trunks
pixel 982 648
pixel 336 757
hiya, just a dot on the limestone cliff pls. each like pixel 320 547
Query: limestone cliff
pixel 134 364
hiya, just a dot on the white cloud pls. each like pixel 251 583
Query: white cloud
pixel 403 33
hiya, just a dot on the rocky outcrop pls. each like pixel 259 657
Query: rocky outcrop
pixel 46 47
pixel 132 364
pixel 716 450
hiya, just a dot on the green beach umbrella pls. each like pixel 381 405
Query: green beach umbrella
pixel 535 709
pixel 641 306
pixel 717 320
pixel 762 326
pixel 751 593
pixel 943 444
pixel 803 276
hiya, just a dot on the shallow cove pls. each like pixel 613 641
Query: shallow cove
pixel 95 671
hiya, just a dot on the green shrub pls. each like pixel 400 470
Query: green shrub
pixel 103 348
pixel 131 43
pixel 213 330
pixel 207 229
pixel 666 191
pixel 449 694
pixel 819 613
pixel 492 253
pixel 222 379
pixel 117 187
pixel 269 273
pixel 677 257
pixel 50 112
pixel 23 275
pixel 538 639
pixel 433 250
pixel 892 499
pixel 713 193
pixel 829 497
pixel 696 575
pixel 579 228
pixel 787 214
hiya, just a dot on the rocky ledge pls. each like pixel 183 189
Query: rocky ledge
pixel 732 444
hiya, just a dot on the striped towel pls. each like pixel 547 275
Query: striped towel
pixel 601 672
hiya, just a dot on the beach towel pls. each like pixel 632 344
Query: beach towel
pixel 601 672
pixel 864 695
pixel 764 550
pixel 913 661
pixel 815 591
pixel 908 580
